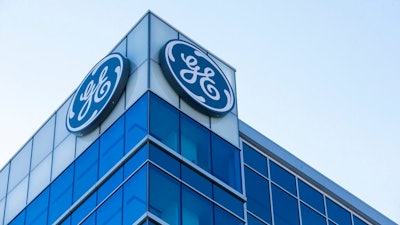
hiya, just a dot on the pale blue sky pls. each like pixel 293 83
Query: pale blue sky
pixel 320 78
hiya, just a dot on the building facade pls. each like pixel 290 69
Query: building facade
pixel 152 136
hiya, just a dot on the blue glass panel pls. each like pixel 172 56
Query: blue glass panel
pixel 66 221
pixel 195 208
pixel 195 143
pixel 164 160
pixel 20 219
pixel 257 192
pixel 133 163
pixel 223 217
pixel 164 196
pixel 311 196
pixel 282 177
pixel 136 123
pixel 228 200
pixel 226 162
pixel 110 212
pixel 83 210
pixel 86 167
pixel 61 194
pixel 337 213
pixel 111 146
pixel 36 212
pixel 285 207
pixel 164 122
pixel 255 160
pixel 197 181
pixel 358 221
pixel 251 220
pixel 309 216
pixel 135 194
pixel 110 185
pixel 90 220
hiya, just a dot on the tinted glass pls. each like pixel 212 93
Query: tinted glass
pixel 358 221
pixel 110 185
pixel 137 159
pixel 111 211
pixel 311 196
pixel 164 122
pixel 111 146
pixel 195 143
pixel 134 197
pixel 282 177
pixel 226 162
pixel 86 170
pixel 228 200
pixel 337 213
pixel 251 220
pixel 136 123
pixel 309 216
pixel 164 196
pixel 255 160
pixel 83 210
pixel 197 181
pixel 163 159
pixel 195 209
pixel 61 194
pixel 19 219
pixel 257 192
pixel 36 212
pixel 284 207
pixel 223 217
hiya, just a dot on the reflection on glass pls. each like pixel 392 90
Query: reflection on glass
pixel 196 210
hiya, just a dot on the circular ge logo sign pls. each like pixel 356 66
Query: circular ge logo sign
pixel 197 78
pixel 97 95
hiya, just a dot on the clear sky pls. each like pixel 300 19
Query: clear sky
pixel 320 78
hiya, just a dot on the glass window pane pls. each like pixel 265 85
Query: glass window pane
pixel 223 217
pixel 20 219
pixel 164 160
pixel 257 192
pixel 358 221
pixel 337 213
pixel 133 163
pixel 43 142
pixel 61 194
pixel 16 200
pixel 2 205
pixel 36 212
pixel 63 155
pixel 111 211
pixel 90 220
pixel 164 126
pixel 226 162
pixel 137 43
pixel 111 147
pixel 197 181
pixel 39 178
pixel 20 166
pixel 228 200
pixel 135 193
pixel 282 177
pixel 61 130
pixel 251 220
pixel 136 123
pixel 110 185
pixel 196 210
pixel 83 210
pixel 285 207
pixel 160 33
pixel 311 196
pixel 309 216
pixel 195 143
pixel 164 196
pixel 255 160
pixel 4 179
pixel 86 170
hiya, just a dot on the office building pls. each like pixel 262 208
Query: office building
pixel 152 136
